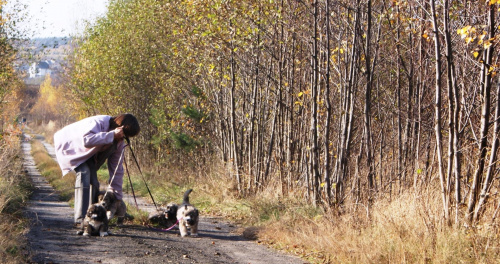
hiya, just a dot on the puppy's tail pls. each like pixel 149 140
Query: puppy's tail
pixel 185 200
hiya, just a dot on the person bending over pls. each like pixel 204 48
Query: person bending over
pixel 85 145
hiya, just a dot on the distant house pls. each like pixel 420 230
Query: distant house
pixel 39 69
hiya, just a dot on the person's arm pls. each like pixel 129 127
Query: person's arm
pixel 97 135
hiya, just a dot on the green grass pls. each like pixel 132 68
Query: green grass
pixel 48 167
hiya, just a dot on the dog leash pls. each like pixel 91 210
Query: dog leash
pixel 140 171
pixel 131 186
pixel 164 229
pixel 133 193
pixel 114 173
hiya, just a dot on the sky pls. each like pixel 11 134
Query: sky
pixel 58 18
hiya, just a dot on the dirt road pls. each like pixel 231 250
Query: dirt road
pixel 53 239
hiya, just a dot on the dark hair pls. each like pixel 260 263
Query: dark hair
pixel 129 122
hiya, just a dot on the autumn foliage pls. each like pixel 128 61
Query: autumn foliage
pixel 340 102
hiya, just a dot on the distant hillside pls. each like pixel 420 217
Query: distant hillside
pixel 50 48
pixel 49 51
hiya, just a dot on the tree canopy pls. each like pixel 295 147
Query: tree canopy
pixel 341 101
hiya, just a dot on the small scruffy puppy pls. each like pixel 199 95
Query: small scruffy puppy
pixel 95 221
pixel 188 216
pixel 166 217
pixel 113 206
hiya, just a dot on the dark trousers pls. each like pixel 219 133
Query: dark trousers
pixel 87 184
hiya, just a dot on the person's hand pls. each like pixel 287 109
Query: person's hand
pixel 119 135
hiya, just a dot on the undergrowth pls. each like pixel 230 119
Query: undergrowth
pixel 405 229
pixel 15 189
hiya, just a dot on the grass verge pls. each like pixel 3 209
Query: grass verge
pixel 15 189
pixel 405 229
pixel 48 167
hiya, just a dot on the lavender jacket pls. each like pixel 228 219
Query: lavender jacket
pixel 76 143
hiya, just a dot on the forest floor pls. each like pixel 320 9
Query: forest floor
pixel 52 236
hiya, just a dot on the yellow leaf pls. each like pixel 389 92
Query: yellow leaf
pixel 464 30
pixel 322 184
pixel 481 37
pixel 487 44
pixel 300 94
pixel 476 54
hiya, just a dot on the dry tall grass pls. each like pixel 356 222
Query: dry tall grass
pixel 408 229
pixel 14 192
pixel 405 229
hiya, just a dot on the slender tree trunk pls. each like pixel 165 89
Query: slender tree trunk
pixel 233 123
pixel 437 108
pixel 400 168
pixel 347 115
pixel 485 195
pixel 452 128
pixel 485 113
pixel 314 109
pixel 328 106
pixel 454 157
pixel 253 106
pixel 367 110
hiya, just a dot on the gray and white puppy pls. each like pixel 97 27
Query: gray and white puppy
pixel 188 216
pixel 95 221
pixel 113 206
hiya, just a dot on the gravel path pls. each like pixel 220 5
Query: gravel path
pixel 52 237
